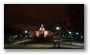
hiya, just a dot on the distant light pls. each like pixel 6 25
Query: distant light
pixel 63 35
pixel 69 32
pixel 57 28
pixel 15 36
pixel 26 36
pixel 25 31
pixel 77 33
pixel 81 36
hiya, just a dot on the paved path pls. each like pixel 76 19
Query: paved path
pixel 75 45
pixel 78 44
pixel 49 46
pixel 18 42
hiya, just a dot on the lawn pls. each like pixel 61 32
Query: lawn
pixel 36 44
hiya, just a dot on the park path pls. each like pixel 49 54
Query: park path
pixel 18 42
pixel 76 45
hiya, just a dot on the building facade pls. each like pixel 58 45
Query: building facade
pixel 41 31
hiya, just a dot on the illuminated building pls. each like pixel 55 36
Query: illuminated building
pixel 43 31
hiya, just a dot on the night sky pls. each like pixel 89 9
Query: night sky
pixel 31 16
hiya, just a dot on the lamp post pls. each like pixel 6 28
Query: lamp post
pixel 58 34
pixel 25 37
pixel 70 36
pixel 76 36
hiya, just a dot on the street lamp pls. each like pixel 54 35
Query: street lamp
pixel 58 35
pixel 25 31
pixel 70 35
pixel 57 28
pixel 70 32
pixel 25 36
pixel 76 35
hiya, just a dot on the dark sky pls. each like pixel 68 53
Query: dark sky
pixel 31 16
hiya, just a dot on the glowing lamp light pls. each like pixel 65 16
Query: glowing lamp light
pixel 25 31
pixel 57 28
pixel 70 32
pixel 77 33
